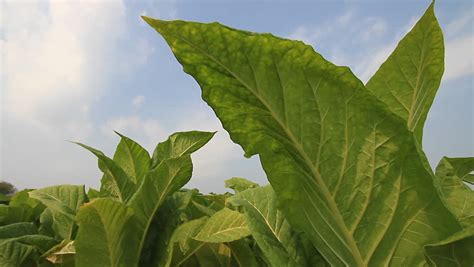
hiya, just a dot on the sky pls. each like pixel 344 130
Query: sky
pixel 78 70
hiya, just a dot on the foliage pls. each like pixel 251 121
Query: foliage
pixel 350 184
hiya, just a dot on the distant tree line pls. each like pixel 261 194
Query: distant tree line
pixel 7 188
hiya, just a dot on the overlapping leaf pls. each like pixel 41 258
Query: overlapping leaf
pixel 458 249
pixel 107 235
pixel 115 180
pixel 63 202
pixel 275 237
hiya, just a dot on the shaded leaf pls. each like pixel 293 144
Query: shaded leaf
pixel 17 230
pixel 457 250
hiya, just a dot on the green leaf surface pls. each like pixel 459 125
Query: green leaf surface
pixel 14 254
pixel 456 250
pixel 344 167
pixel 115 180
pixel 24 249
pixel 15 214
pixel 181 245
pixel 63 202
pixel 214 255
pixel 456 195
pixel 46 224
pixel 133 158
pixel 21 208
pixel 159 183
pixel 239 184
pixel 226 225
pixel 169 216
pixel 180 144
pixel 107 235
pixel 155 189
pixel 243 254
pixel 17 230
pixel 173 172
pixel 268 226
pixel 408 80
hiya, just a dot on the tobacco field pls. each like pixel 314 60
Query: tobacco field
pixel 349 182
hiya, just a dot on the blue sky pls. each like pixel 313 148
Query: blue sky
pixel 77 71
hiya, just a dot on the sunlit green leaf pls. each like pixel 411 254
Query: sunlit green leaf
pixel 132 158
pixel 408 80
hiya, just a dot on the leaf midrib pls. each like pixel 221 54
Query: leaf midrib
pixel 332 205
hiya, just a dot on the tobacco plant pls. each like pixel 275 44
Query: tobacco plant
pixel 350 184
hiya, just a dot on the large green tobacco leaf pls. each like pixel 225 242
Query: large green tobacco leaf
pixel 278 242
pixel 107 235
pixel 133 158
pixel 115 180
pixel 180 144
pixel 346 171
pixel 407 82
pixel 63 202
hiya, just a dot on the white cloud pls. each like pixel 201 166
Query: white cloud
pixel 373 27
pixel 138 101
pixel 57 58
pixel 459 57
pixel 458 25
pixel 459 60
pixel 145 131
pixel 350 29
